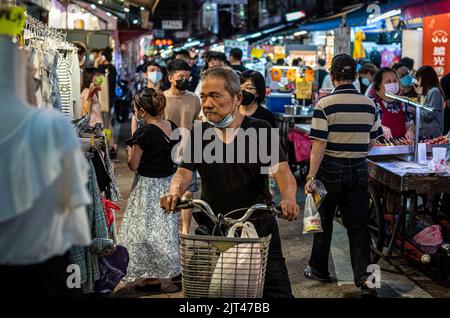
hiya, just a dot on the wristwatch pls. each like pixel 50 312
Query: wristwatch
pixel 310 178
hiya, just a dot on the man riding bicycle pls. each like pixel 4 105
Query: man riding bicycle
pixel 232 177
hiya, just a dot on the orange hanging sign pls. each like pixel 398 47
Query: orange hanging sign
pixel 291 74
pixel 276 74
pixel 436 43
pixel 309 74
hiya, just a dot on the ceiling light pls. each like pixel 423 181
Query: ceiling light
pixel 142 8
pixel 300 33
pixel 135 21
pixel 93 6
pixel 100 2
pixel 126 9
pixel 108 14
pixel 420 29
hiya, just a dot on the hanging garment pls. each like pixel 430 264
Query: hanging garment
pixel 76 88
pixel 358 47
pixel 65 87
pixel 83 256
pixel 43 190
pixel 114 192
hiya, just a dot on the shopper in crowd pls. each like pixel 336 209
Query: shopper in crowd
pixel 149 234
pixel 82 50
pixel 407 81
pixel 110 72
pixel 253 94
pixel 212 59
pixel 366 75
pixel 227 186
pixel 183 108
pixel 409 62
pixel 432 123
pixel 320 73
pixel 236 60
pixel 396 120
pixel 154 75
pixel 93 58
pixel 89 96
pixel 344 127
pixel 445 83
pixel 280 62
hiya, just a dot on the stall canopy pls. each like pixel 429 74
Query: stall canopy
pixel 411 9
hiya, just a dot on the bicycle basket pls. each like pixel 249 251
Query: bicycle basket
pixel 223 267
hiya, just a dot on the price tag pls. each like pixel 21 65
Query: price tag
pixel 12 20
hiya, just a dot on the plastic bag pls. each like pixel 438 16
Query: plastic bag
pixel 239 270
pixel 429 239
pixel 319 192
pixel 311 217
pixel 302 145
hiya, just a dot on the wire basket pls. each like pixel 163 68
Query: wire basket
pixel 222 267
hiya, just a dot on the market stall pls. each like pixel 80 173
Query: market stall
pixel 394 178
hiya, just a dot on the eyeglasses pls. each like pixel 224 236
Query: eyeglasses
pixel 249 88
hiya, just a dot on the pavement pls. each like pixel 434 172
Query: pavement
pixel 400 280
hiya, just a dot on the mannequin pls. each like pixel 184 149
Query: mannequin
pixel 13 107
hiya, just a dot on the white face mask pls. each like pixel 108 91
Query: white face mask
pixel 154 77
pixel 391 88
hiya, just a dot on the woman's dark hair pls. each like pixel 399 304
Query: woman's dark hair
pixel 88 75
pixel 257 81
pixel 151 101
pixel 368 68
pixel 429 79
pixel 378 78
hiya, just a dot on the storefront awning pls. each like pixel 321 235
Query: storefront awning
pixel 431 8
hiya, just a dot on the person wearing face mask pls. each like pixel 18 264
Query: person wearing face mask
pixel 366 74
pixel 229 184
pixel 150 235
pixel 407 81
pixel 432 123
pixel 183 108
pixel 154 76
pixel 253 94
pixel 396 121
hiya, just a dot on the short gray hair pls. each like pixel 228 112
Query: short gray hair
pixel 232 83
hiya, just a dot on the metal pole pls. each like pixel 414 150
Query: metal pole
pixel 416 143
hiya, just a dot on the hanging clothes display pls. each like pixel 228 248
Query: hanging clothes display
pixel 57 70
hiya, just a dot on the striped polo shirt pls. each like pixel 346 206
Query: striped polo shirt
pixel 347 120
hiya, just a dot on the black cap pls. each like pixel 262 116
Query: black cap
pixel 343 63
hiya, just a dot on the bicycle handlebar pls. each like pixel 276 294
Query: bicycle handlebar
pixel 187 203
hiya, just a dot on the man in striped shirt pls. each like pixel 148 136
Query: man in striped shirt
pixel 344 127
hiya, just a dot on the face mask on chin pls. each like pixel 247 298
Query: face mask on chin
pixel 225 122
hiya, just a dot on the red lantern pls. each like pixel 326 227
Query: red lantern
pixel 169 42
pixel 164 42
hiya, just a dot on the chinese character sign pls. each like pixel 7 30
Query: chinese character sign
pixel 436 43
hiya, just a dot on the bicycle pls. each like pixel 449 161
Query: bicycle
pixel 218 267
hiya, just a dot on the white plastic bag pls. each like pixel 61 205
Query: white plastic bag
pixel 239 269
pixel 311 217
